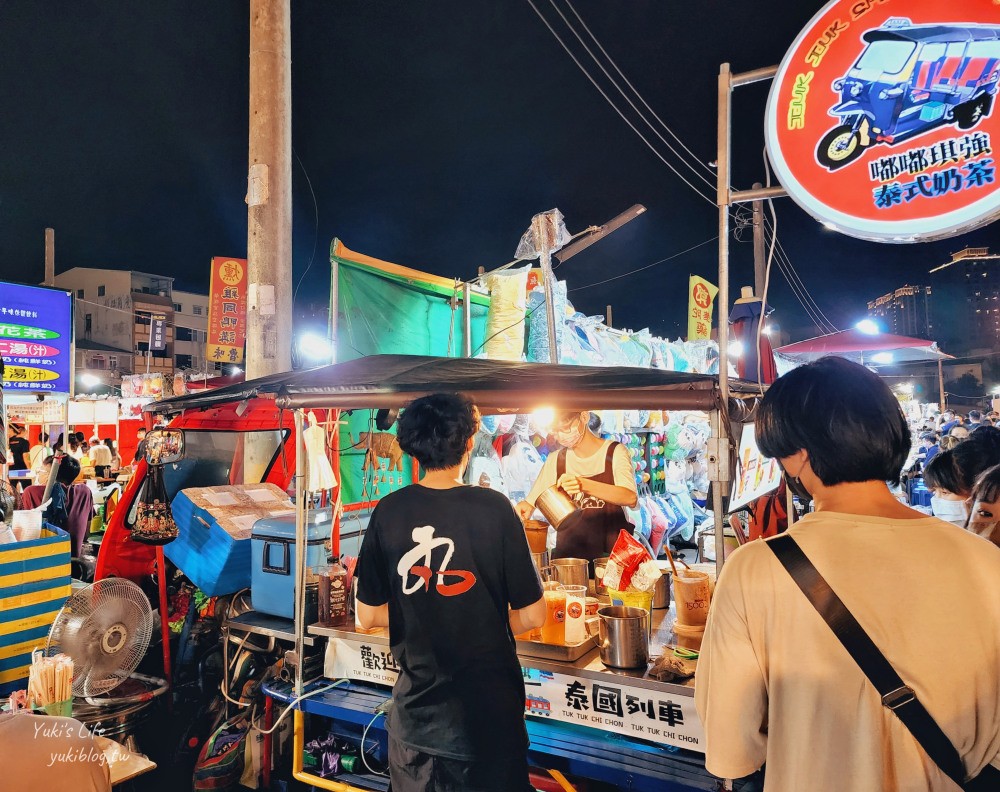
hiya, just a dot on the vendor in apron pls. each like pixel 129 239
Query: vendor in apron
pixel 598 475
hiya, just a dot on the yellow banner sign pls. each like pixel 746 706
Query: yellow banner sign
pixel 701 302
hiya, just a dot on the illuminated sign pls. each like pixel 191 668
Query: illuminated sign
pixel 36 334
pixel 880 122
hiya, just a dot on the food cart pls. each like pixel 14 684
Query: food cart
pixel 649 730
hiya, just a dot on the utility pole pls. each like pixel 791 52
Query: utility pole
pixel 269 193
pixel 759 257
pixel 50 257
pixel 269 207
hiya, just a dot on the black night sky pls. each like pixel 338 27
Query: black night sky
pixel 431 132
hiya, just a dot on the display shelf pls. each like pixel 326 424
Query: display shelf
pixel 268 626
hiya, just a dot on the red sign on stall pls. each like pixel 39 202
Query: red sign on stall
pixel 881 119
pixel 227 311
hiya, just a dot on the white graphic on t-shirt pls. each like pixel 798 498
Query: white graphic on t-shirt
pixel 589 501
pixel 417 563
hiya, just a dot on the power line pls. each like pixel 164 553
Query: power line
pixel 798 287
pixel 615 107
pixel 636 92
pixel 648 266
pixel 625 96
pixel 312 258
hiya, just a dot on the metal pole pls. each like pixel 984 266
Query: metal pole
pixel 941 384
pixel 50 257
pixel 300 545
pixel 608 317
pixel 334 303
pixel 541 233
pixel 756 75
pixel 759 258
pixel 722 200
pixel 720 450
pixel 467 320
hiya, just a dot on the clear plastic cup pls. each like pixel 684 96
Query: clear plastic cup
pixel 576 605
pixel 554 629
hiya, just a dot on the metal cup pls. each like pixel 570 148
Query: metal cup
pixel 571 571
pixel 622 636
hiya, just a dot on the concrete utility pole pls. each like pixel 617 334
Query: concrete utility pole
pixel 269 207
pixel 759 256
pixel 50 257
pixel 269 190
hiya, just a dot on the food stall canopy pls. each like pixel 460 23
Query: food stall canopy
pixel 381 381
pixel 860 347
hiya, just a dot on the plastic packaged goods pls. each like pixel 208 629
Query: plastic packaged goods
pixel 520 468
pixel 624 561
pixel 484 465
pixel 504 321
pixel 538 329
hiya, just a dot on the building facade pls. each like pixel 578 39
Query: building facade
pixel 967 302
pixel 905 311
pixel 114 310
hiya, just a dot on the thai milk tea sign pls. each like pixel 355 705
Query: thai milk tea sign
pixel 36 335
pixel 881 120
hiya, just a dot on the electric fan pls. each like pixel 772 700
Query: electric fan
pixel 105 628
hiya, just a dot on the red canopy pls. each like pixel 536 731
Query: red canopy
pixel 880 348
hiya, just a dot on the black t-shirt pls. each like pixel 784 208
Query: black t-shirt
pixel 18 448
pixel 449 563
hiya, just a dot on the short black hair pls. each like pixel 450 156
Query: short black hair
pixel 843 415
pixel 980 452
pixel 69 470
pixel 975 415
pixel 435 429
pixel 942 473
pixel 929 436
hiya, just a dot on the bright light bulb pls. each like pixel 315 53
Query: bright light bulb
pixel 89 380
pixel 882 357
pixel 868 327
pixel 735 349
pixel 543 418
pixel 315 347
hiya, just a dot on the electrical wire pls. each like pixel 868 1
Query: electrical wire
pixel 312 258
pixel 648 266
pixel 364 737
pixel 615 107
pixel 636 92
pixel 293 703
pixel 625 96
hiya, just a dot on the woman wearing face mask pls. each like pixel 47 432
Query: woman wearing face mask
pixel 952 474
pixel 598 475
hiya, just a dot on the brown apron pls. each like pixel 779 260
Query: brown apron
pixel 591 532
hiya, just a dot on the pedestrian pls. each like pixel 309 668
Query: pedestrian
pixel 447 568
pixel 984 519
pixel 19 447
pixel 776 688
pixel 140 449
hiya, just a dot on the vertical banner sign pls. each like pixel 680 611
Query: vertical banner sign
pixel 881 118
pixel 227 311
pixel 35 338
pixel 158 333
pixel 701 303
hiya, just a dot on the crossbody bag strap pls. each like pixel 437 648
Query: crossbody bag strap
pixel 896 695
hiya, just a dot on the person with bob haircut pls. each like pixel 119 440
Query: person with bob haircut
pixel 984 520
pixel 446 567
pixel 775 685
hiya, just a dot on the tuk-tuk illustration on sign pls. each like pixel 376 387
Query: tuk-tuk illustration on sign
pixel 908 80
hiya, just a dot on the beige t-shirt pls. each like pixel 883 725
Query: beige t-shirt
pixel 621 465
pixel 774 684
pixel 50 754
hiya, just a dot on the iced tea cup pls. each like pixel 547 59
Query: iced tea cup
pixel 576 604
pixel 554 629
pixel 692 595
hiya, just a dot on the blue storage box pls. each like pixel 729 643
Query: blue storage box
pixel 214 524
pixel 272 587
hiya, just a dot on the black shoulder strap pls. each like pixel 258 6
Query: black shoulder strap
pixel 609 456
pixel 560 463
pixel 896 695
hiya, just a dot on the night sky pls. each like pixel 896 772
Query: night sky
pixel 431 133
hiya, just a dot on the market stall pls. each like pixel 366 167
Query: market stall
pixel 503 389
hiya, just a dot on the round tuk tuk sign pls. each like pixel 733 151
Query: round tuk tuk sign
pixel 881 121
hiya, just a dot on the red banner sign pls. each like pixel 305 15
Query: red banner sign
pixel 227 311
pixel 881 119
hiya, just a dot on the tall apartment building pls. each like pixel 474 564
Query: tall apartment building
pixel 191 331
pixel 905 311
pixel 967 301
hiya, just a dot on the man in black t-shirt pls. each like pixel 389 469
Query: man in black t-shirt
pixel 446 567
pixel 19 447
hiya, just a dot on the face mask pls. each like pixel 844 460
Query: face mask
pixel 794 485
pixel 953 511
pixel 570 438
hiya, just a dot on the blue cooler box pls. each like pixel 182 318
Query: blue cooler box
pixel 272 576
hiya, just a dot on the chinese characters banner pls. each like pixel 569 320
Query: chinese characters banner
pixel 227 311
pixel 35 337
pixel 158 333
pixel 610 705
pixel 701 303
